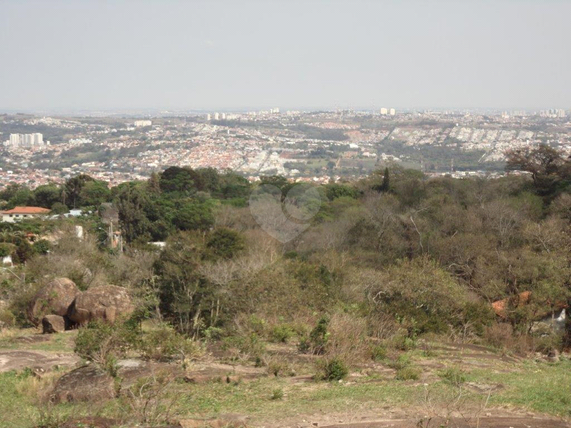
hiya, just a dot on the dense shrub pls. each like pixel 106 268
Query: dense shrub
pixel 408 373
pixel 164 343
pixel 282 333
pixel 332 369
pixel 99 341
pixel 453 376
pixel 318 338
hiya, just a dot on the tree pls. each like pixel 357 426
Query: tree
pixel 47 195
pixel 23 251
pixel 225 243
pixel 182 180
pixel 210 179
pixel 548 167
pixel 22 197
pixel 233 186
pixel 384 185
pixel 73 188
pixel 94 193
pixel 187 299
pixel 130 203
pixel 154 184
pixel 193 216
pixel 59 208
pixel 334 191
pixel 10 191
pixel 420 293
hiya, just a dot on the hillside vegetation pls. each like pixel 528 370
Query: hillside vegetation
pixel 362 281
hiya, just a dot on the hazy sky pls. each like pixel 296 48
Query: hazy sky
pixel 291 54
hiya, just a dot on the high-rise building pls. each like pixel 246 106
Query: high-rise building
pixel 384 111
pixel 38 139
pixel 142 123
pixel 393 112
pixel 26 140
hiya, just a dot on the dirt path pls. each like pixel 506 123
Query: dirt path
pixel 486 422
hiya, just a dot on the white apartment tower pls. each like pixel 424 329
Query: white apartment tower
pixel 26 140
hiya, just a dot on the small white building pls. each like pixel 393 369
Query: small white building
pixel 142 123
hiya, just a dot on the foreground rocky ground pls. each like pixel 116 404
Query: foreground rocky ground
pixel 44 384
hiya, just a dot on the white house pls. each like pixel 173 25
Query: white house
pixel 21 213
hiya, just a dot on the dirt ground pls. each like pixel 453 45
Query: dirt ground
pixel 32 351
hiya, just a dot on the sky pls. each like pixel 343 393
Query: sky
pixel 294 54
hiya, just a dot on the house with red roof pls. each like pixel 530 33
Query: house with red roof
pixel 23 213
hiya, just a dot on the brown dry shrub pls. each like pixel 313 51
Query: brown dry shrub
pixel 502 336
pixel 77 259
pixel 383 326
pixel 347 338
pixel 279 365
pixel 499 335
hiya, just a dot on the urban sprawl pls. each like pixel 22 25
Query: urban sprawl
pixel 306 146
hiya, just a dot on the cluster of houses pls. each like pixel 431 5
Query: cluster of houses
pixel 17 214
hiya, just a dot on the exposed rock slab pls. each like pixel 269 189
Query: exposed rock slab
pixel 87 383
pixel 41 361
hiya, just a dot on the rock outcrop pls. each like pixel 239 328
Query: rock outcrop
pixel 87 383
pixel 103 303
pixel 52 299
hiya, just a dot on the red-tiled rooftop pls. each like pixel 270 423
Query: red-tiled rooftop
pixel 26 210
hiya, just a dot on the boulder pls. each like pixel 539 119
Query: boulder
pixel 87 383
pixel 53 324
pixel 52 299
pixel 103 303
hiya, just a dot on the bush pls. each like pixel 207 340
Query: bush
pixel 6 249
pixel 42 246
pixel 378 353
pixel 225 243
pixel 499 335
pixel 251 347
pixel 401 362
pixel 318 338
pixel 104 343
pixel 7 318
pixel 408 373
pixel 282 333
pixel 279 366
pixel 164 343
pixel 347 338
pixel 453 376
pixel 277 394
pixel 424 296
pixel 332 369
pixel 404 343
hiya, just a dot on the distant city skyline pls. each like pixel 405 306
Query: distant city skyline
pixel 248 55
